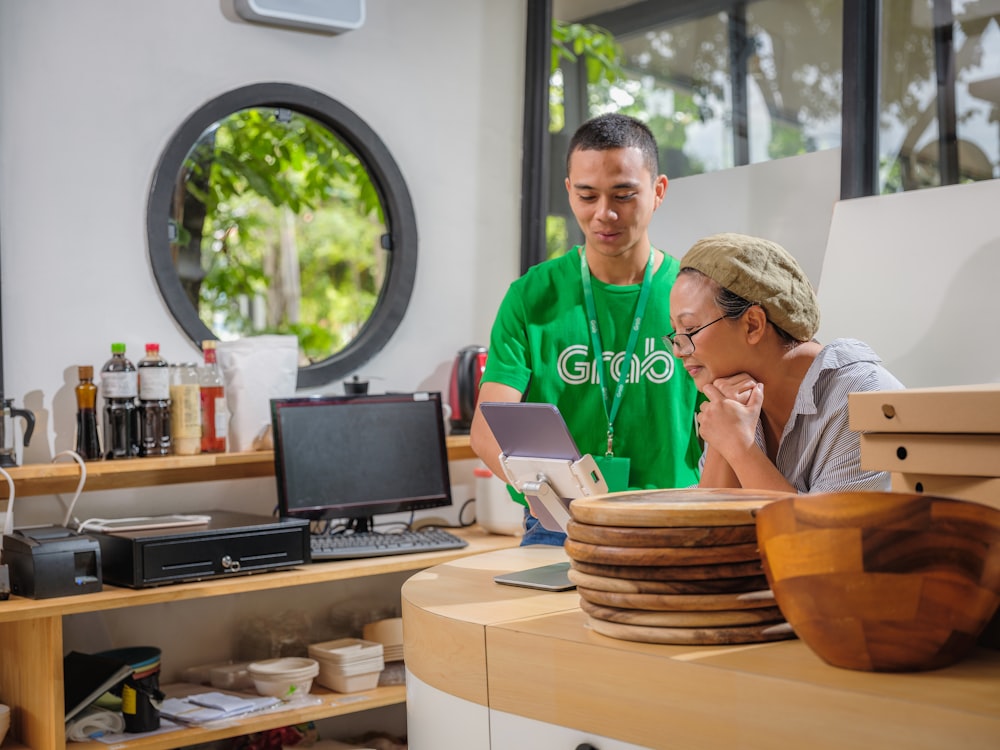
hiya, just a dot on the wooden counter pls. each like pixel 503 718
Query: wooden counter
pixel 529 654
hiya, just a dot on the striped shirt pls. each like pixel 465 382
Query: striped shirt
pixel 818 450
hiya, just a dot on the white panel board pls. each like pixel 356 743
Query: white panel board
pixel 916 276
pixel 787 200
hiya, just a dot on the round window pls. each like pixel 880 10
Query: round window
pixel 277 210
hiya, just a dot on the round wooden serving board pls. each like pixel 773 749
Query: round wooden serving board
pixel 671 572
pixel 693 636
pixel 678 602
pixel 670 508
pixel 607 555
pixel 627 586
pixel 770 615
pixel 681 536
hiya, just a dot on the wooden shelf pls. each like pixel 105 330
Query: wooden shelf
pixel 333 704
pixel 19 608
pixel 62 477
pixel 31 643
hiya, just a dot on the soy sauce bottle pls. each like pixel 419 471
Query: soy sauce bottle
pixel 88 444
pixel 120 386
pixel 154 403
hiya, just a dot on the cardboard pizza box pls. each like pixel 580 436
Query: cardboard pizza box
pixel 960 409
pixel 955 455
pixel 983 490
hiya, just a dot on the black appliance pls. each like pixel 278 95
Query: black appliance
pixel 52 561
pixel 228 544
pixel 466 374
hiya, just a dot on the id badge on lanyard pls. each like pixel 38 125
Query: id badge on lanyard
pixel 615 469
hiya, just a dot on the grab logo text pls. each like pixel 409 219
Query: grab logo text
pixel 576 366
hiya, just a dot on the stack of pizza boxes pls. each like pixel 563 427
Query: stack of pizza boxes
pixel 938 441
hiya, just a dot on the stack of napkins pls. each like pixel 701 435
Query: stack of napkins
pixel 206 707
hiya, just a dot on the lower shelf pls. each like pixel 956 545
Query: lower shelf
pixel 332 705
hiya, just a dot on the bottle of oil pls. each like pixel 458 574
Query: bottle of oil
pixel 154 403
pixel 214 413
pixel 185 409
pixel 88 444
pixel 120 386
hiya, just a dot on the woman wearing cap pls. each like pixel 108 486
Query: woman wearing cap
pixel 744 316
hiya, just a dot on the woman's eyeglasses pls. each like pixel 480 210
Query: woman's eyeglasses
pixel 683 343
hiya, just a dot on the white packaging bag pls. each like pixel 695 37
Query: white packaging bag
pixel 256 369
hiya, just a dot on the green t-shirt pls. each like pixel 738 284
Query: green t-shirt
pixel 540 344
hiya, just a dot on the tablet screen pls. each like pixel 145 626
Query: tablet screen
pixel 530 429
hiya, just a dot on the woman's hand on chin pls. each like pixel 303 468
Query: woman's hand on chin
pixel 738 387
pixel 729 425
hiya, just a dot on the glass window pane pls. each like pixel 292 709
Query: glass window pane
pixel 678 77
pixel 794 77
pixel 913 100
pixel 278 231
pixel 678 82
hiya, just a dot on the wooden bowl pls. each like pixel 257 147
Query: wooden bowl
pixel 885 582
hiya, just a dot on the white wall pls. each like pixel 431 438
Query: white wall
pixel 90 93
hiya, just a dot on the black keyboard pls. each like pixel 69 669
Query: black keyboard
pixel 374 544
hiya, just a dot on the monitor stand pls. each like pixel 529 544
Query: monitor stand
pixel 362 525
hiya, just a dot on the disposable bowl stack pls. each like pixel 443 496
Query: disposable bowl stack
pixel 348 664
pixel 673 566
pixel 287 677
pixel 388 632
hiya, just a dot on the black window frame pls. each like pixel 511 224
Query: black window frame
pixel 401 228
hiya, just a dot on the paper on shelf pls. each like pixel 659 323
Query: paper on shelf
pixel 207 707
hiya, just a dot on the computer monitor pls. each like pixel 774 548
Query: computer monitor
pixel 354 457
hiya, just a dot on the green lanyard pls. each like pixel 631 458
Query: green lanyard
pixel 595 337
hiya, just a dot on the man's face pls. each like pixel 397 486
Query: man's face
pixel 613 197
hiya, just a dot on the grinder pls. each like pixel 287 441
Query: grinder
pixel 466 373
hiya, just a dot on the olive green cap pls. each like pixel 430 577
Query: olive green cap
pixel 763 272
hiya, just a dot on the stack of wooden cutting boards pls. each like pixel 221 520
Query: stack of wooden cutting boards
pixel 673 566
pixel 939 441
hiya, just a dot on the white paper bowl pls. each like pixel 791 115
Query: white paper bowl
pixel 285 678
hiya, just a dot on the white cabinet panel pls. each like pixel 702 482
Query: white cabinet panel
pixel 510 732
pixel 438 721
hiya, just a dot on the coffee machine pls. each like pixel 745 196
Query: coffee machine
pixel 8 431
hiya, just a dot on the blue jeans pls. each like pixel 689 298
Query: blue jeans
pixel 535 533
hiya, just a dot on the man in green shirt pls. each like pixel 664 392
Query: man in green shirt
pixel 604 302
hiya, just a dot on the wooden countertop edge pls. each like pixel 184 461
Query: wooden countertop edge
pixel 696 695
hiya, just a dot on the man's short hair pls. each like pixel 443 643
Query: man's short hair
pixel 615 130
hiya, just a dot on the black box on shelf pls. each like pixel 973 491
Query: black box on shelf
pixel 225 545
pixel 50 561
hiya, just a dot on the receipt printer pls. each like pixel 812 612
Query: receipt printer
pixel 52 561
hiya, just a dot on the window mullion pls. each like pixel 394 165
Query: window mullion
pixel 740 49
pixel 944 63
